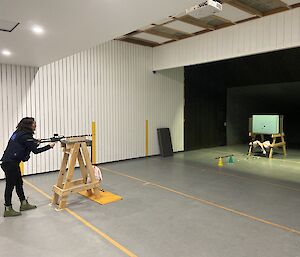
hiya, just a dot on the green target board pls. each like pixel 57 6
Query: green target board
pixel 265 124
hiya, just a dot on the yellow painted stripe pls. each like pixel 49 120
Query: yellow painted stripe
pixel 86 223
pixel 243 214
pixel 37 189
pixel 22 168
pixel 94 161
pixel 147 138
pixel 89 225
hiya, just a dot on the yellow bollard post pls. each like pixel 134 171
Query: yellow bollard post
pixel 22 168
pixel 147 138
pixel 94 161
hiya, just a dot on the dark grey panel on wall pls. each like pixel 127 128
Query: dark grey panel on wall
pixel 165 142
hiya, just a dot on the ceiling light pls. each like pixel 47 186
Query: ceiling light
pixel 38 30
pixel 6 52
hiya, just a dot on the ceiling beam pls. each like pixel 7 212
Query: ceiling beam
pixel 196 22
pixel 280 9
pixel 202 32
pixel 132 33
pixel 138 41
pixel 295 5
pixel 167 32
pixel 248 19
pixel 223 19
pixel 285 5
pixel 244 7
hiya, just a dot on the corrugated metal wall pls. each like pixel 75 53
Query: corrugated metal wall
pixel 112 84
pixel 274 32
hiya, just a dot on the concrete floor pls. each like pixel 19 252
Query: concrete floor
pixel 182 206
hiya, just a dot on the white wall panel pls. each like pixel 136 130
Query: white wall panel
pixel 112 84
pixel 270 33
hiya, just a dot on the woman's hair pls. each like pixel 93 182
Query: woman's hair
pixel 26 124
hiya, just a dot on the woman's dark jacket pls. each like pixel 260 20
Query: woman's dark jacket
pixel 20 145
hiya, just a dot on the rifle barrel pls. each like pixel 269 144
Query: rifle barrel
pixel 56 138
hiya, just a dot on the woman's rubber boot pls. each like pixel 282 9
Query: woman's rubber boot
pixel 25 206
pixel 10 212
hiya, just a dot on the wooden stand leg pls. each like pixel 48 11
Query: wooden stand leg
pixel 68 178
pixel 284 150
pixel 272 148
pixel 89 166
pixel 82 167
pixel 250 150
pixel 271 153
pixel 83 170
pixel 63 203
pixel 61 176
pixel 284 145
pixel 70 173
pixel 253 137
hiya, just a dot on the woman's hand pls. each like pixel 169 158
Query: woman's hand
pixel 52 145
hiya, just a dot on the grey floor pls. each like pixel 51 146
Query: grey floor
pixel 182 206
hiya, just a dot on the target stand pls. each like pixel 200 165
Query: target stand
pixel 275 144
pixel 74 149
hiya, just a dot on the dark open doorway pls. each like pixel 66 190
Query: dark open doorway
pixel 208 106
pixel 205 110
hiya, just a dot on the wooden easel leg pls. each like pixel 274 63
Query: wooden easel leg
pixel 55 199
pixel 61 176
pixel 82 167
pixel 271 153
pixel 272 148
pixel 70 173
pixel 250 150
pixel 89 166
pixel 284 150
pixel 284 146
pixel 63 203
pixel 68 180
pixel 97 192
pixel 83 171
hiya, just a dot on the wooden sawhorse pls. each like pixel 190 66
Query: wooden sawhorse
pixel 74 149
pixel 273 145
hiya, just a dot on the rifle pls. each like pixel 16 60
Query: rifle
pixel 54 139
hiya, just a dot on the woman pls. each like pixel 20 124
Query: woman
pixel 19 147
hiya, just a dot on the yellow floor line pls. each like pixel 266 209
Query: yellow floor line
pixel 37 189
pixel 285 228
pixel 85 222
pixel 89 225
